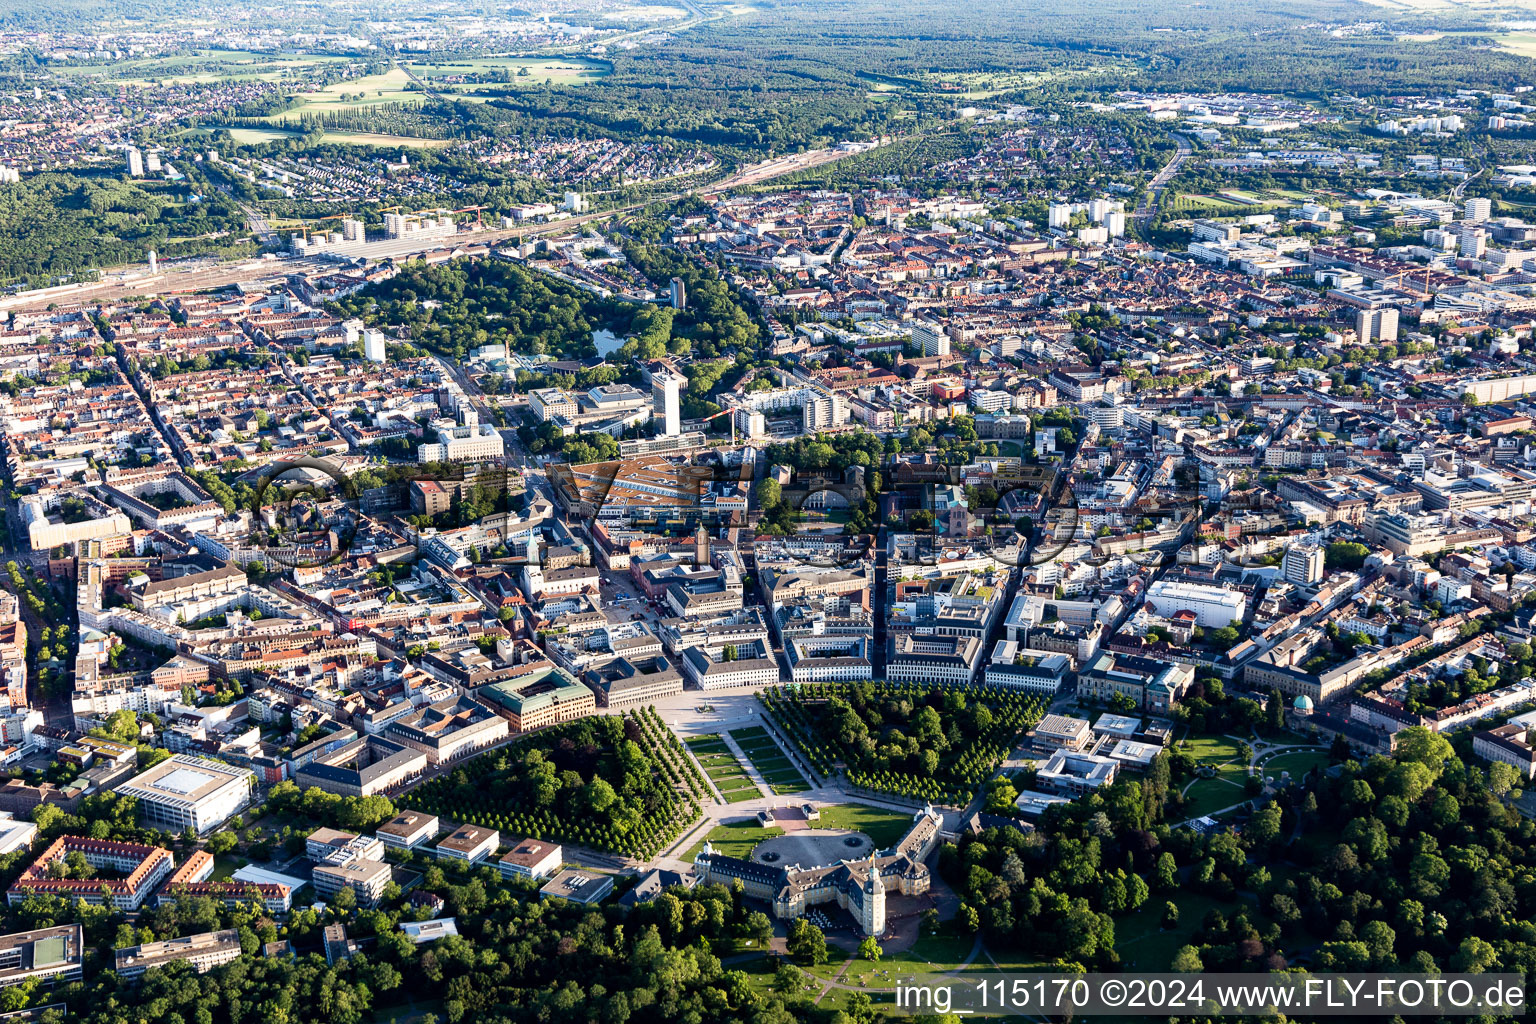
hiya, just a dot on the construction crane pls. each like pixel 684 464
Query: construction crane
pixel 479 224
pixel 724 412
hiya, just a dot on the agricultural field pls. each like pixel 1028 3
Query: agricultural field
pixel 729 777
pixel 922 741
pixel 1523 43
pixel 392 86
pixel 256 136
pixel 529 70
pixel 769 760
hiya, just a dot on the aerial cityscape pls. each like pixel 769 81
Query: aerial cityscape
pixel 756 512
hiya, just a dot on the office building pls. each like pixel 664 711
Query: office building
pixel 1474 242
pixel 365 767
pixel 366 878
pixel 333 846
pixel 1073 773
pixel 469 843
pixel 578 887
pixel 479 442
pixel 448 730
pixel 408 830
pixel 193 879
pixel 541 698
pixel 930 339
pixel 531 858
pixel 204 952
pixel 185 792
pixel 44 955
pixel 139 869
pixel 1214 607
pixel 1507 743
pixel 666 398
pixel 1478 210
pixel 373 346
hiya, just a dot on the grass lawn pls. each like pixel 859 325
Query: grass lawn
pixel 1145 945
pixel 1218 752
pixel 404 1014
pixel 226 865
pixel 882 826
pixel 736 839
pixel 1209 795
pixel 1297 762
pixel 932 953
pixel 1009 449
pixel 769 760
pixel 727 773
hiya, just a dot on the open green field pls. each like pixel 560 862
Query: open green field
pixel 1206 796
pixel 1219 752
pixel 736 839
pixel 392 86
pixel 1523 43
pixel 940 952
pixel 882 826
pixel 202 66
pixel 1145 945
pixel 1220 755
pixel 554 70
pixel 1297 762
pixel 257 136
pixel 769 760
pixel 723 769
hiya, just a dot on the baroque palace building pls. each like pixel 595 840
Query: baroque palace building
pixel 859 887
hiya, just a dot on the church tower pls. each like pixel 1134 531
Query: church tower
pixel 701 547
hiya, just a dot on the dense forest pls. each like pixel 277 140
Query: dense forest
pixel 1416 862
pixel 58 223
pixel 453 307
